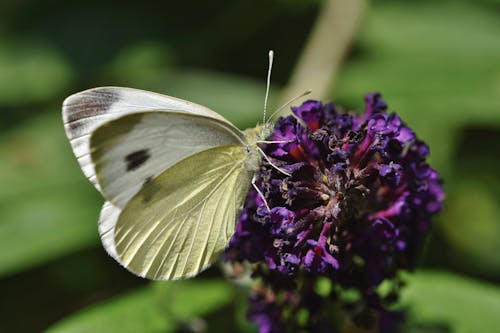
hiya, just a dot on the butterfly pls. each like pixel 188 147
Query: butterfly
pixel 174 175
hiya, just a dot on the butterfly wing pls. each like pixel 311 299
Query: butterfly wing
pixel 179 222
pixel 131 151
pixel 85 111
pixel 106 227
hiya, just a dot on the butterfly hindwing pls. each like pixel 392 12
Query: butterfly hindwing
pixel 106 227
pixel 180 221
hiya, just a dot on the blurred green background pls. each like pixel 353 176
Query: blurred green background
pixel 437 63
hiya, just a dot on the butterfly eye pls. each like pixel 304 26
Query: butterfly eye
pixel 267 131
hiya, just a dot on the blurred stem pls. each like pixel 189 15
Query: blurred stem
pixel 326 47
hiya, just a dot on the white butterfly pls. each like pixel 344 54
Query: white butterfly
pixel 174 175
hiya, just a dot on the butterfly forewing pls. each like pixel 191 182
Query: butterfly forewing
pixel 85 111
pixel 180 221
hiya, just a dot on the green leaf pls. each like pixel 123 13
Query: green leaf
pixel 444 299
pixel 32 72
pixel 136 311
pixel 162 307
pixel 470 224
pixel 47 207
pixel 39 228
pixel 141 63
pixel 187 299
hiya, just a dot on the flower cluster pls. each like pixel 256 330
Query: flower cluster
pixel 350 199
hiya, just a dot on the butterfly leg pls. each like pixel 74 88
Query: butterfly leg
pixel 272 164
pixel 254 178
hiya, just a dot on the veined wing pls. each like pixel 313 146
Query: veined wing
pixel 106 227
pixel 85 111
pixel 131 151
pixel 177 224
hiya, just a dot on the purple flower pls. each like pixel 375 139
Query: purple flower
pixel 265 312
pixel 354 209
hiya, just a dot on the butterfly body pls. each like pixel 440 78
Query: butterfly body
pixel 174 175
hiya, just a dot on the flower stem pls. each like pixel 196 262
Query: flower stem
pixel 325 49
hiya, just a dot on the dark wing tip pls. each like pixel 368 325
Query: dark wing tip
pixel 89 103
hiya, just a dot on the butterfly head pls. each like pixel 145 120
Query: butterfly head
pixel 256 134
pixel 265 130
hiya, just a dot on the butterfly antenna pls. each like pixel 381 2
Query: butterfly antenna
pixel 305 93
pixel 271 57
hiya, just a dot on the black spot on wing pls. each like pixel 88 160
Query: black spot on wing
pixel 136 159
pixel 149 190
pixel 147 181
